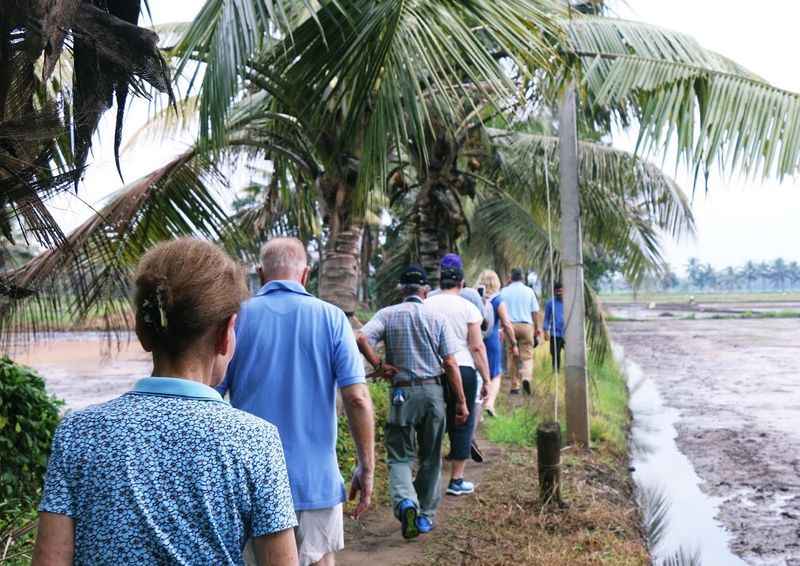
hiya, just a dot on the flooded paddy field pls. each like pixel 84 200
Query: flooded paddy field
pixel 86 368
pixel 734 388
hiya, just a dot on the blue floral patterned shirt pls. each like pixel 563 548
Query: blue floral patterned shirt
pixel 169 473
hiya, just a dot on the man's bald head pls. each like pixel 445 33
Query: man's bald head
pixel 284 258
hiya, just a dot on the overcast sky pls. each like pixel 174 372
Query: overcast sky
pixel 737 220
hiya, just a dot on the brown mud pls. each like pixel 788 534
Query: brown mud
pixel 736 386
pixel 85 368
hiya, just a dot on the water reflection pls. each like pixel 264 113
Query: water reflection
pixel 85 368
pixel 680 514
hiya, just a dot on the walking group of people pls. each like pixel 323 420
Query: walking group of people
pixel 170 473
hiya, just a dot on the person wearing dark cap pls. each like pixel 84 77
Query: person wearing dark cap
pixel 420 348
pixel 465 320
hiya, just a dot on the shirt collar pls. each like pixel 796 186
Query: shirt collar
pixel 283 285
pixel 176 387
pixel 413 299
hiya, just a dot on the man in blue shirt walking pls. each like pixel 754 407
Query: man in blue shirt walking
pixel 523 310
pixel 293 352
pixel 554 324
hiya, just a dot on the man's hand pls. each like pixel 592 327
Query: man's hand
pixel 383 371
pixel 515 350
pixel 361 483
pixel 484 389
pixel 462 413
pixel 389 371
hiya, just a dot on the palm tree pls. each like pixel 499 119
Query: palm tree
pixel 357 79
pixel 779 273
pixel 694 270
pixel 794 273
pixel 750 273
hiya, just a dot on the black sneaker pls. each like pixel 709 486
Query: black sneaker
pixel 514 392
pixel 475 453
pixel 526 387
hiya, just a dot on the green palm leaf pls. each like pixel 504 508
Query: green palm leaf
pixel 507 229
pixel 523 158
pixel 713 109
pixel 226 35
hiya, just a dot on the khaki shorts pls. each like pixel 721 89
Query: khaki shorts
pixel 318 532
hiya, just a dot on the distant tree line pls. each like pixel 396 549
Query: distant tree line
pixel 776 275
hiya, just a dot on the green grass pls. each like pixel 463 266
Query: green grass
pixel 346 450
pixel 516 425
pixel 609 398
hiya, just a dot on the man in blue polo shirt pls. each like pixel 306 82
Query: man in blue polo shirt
pixel 293 352
pixel 523 310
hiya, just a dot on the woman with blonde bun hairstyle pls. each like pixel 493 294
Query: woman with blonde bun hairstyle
pixel 490 282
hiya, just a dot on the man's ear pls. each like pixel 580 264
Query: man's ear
pixel 260 271
pixel 226 338
pixel 305 277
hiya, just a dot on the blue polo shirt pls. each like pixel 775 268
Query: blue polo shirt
pixel 520 301
pixel 292 352
pixel 168 473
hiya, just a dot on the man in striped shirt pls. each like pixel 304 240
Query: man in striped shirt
pixel 420 347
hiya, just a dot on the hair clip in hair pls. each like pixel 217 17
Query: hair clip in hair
pixel 162 310
pixel 146 305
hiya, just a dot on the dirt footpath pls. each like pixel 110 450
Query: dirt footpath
pixel 376 540
pixel 736 384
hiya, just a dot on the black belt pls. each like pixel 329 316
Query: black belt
pixel 426 381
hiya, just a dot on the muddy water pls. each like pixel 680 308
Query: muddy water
pixel 733 387
pixel 83 368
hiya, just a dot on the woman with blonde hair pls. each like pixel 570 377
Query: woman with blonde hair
pixel 490 282
pixel 169 473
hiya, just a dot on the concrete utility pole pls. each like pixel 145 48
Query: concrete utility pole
pixel 572 275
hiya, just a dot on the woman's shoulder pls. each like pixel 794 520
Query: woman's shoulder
pixel 245 426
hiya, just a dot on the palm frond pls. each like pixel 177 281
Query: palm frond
pixel 369 74
pixel 112 57
pixel 227 35
pixel 626 203
pixel 88 274
pixel 507 229
pixel 638 182
pixel 713 109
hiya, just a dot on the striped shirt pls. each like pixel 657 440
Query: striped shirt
pixel 416 338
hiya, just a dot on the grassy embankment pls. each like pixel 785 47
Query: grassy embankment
pixel 506 523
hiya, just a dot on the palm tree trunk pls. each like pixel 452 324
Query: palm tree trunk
pixel 366 255
pixel 430 246
pixel 339 274
pixel 338 280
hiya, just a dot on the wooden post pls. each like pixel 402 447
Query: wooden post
pixel 548 448
pixel 577 399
